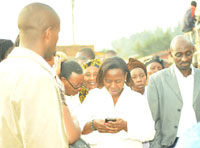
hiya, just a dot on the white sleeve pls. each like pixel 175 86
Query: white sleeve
pixel 140 124
pixel 86 110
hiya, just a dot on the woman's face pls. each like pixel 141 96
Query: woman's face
pixel 90 75
pixel 114 81
pixel 153 68
pixel 139 79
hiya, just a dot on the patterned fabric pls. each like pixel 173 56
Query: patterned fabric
pixel 94 62
pixel 84 90
pixel 83 93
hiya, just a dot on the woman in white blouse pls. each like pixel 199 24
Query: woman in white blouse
pixel 132 123
pixel 138 74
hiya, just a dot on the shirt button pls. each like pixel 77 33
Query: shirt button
pixel 178 110
pixel 175 126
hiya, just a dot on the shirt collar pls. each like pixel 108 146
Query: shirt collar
pixel 179 74
pixel 126 88
pixel 27 53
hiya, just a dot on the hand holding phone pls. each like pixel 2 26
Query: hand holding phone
pixel 110 119
pixel 116 125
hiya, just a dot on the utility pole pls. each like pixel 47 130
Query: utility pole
pixel 73 33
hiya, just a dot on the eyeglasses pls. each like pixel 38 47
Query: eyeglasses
pixel 73 85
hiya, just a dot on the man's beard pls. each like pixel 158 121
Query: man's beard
pixel 49 54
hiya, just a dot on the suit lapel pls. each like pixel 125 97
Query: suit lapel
pixel 173 83
pixel 196 90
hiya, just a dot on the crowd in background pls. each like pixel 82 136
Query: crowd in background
pixel 48 100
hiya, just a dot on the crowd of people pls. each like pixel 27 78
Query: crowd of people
pixel 49 101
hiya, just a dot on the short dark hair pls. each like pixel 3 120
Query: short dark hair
pixel 67 67
pixel 82 58
pixel 87 52
pixel 5 47
pixel 113 63
pixel 154 59
pixel 194 3
pixel 110 52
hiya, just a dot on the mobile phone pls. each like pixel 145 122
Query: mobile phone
pixel 110 119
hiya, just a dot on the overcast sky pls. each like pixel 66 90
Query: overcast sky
pixel 99 22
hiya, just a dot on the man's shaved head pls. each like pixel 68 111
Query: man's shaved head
pixel 178 40
pixel 39 26
pixel 181 50
pixel 36 18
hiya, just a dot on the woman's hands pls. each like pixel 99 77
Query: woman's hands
pixel 102 127
pixel 110 126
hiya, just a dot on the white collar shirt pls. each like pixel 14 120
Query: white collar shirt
pixel 186 86
pixel 73 104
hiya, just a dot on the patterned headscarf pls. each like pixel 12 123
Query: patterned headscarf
pixel 93 62
pixel 84 91
pixel 134 63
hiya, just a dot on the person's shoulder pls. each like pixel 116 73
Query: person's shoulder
pixel 136 99
pixel 196 70
pixel 94 97
pixel 133 94
pixel 25 67
pixel 96 91
pixel 28 60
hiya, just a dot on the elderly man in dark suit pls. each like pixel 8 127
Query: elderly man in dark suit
pixel 174 95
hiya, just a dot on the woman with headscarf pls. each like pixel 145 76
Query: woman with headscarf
pixel 154 65
pixel 138 74
pixel 90 70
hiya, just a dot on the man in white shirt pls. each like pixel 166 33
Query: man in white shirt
pixel 71 75
pixel 174 95
pixel 31 112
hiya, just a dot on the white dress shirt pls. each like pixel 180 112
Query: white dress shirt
pixel 145 144
pixel 73 104
pixel 131 107
pixel 145 92
pixel 186 86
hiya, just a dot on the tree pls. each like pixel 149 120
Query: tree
pixel 146 42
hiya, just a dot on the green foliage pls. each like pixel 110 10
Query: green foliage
pixel 146 42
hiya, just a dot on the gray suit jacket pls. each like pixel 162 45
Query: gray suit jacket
pixel 165 102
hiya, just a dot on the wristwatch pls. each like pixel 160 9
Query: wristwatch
pixel 92 125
